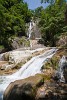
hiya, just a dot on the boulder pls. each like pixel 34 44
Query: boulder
pixel 7 66
pixel 18 56
pixel 2 57
pixel 62 40
pixel 52 91
pixel 41 93
pixel 18 42
pixel 2 63
pixel 6 56
pixel 2 50
pixel 23 89
pixel 35 88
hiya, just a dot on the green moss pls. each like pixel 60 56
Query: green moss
pixel 29 58
pixel 40 83
pixel 47 77
pixel 6 56
pixel 45 66
pixel 53 62
pixel 19 65
pixel 1 47
pixel 23 41
pixel 27 43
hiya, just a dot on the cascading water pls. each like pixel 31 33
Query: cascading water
pixel 31 68
pixel 30 30
pixel 62 64
pixel 1 57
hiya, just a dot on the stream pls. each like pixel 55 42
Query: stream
pixel 31 68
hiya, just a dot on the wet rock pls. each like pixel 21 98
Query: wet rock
pixel 7 66
pixel 23 89
pixel 2 57
pixel 56 76
pixel 62 41
pixel 18 42
pixel 40 93
pixel 16 57
pixel 24 92
pixel 61 74
pixel 6 56
pixel 3 50
pixel 65 71
pixel 52 91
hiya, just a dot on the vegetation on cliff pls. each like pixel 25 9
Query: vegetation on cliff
pixel 14 14
pixel 52 21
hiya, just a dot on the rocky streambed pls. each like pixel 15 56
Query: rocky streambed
pixel 46 85
pixel 11 61
pixel 36 88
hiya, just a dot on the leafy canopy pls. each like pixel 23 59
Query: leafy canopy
pixel 52 22
pixel 14 14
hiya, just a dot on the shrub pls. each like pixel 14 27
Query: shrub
pixel 53 62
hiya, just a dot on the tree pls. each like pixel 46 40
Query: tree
pixel 59 2
pixel 14 14
pixel 38 11
pixel 52 23
pixel 53 1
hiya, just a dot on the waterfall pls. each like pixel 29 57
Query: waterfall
pixel 62 64
pixel 31 68
pixel 2 57
pixel 30 30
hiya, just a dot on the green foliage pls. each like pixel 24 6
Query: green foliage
pixel 14 14
pixel 23 41
pixel 1 47
pixel 53 62
pixel 19 65
pixel 38 11
pixel 52 23
pixel 53 1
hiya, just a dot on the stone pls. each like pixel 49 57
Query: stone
pixel 52 91
pixel 6 56
pixel 23 89
pixel 7 66
pixel 40 93
pixel 16 57
pixel 65 71
pixel 2 57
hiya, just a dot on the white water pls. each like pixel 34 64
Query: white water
pixel 1 57
pixel 30 30
pixel 31 68
pixel 62 62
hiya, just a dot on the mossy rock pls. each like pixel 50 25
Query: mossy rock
pixel 6 56
pixel 23 89
pixel 23 41
pixel 53 62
